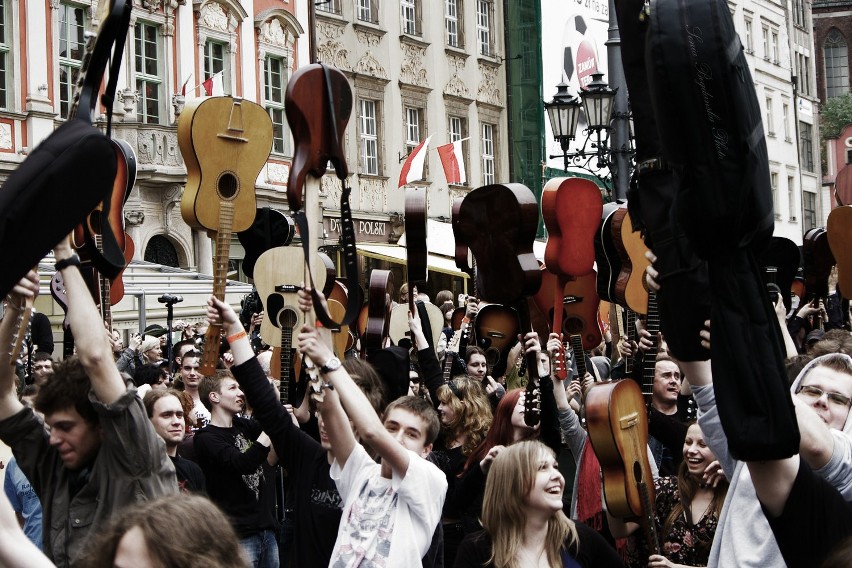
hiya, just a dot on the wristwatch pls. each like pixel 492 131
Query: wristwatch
pixel 332 364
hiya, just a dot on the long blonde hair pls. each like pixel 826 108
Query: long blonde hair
pixel 510 479
pixel 472 412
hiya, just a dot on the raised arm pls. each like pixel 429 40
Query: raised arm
pixel 26 288
pixel 90 336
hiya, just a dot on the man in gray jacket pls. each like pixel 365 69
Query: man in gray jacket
pixel 101 452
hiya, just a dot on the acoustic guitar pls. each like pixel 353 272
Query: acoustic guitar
pixel 818 261
pixel 225 142
pixel 378 311
pixel 617 422
pixel 496 329
pixel 634 291
pixel 400 332
pixel 270 229
pixel 581 318
pixel 839 229
pixel 608 254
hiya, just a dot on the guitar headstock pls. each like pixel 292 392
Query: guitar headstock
pixel 532 405
pixel 314 382
pixel 560 365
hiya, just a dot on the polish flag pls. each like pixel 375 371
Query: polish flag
pixel 214 86
pixel 183 89
pixel 412 169
pixel 453 161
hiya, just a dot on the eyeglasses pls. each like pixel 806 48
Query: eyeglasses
pixel 833 397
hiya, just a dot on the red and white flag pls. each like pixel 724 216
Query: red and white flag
pixel 215 85
pixel 183 89
pixel 453 161
pixel 412 169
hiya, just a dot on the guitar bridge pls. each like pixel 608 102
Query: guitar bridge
pixel 287 288
pixel 629 421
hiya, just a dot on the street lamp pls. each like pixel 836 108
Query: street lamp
pixel 597 102
pixel 564 114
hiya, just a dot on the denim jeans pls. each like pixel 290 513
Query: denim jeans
pixel 261 549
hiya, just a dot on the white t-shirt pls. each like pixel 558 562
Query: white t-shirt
pixel 386 522
pixel 200 415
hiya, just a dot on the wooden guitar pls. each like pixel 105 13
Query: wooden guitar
pixel 581 318
pixel 781 258
pixel 818 261
pixel 57 290
pixel 225 142
pixel 378 311
pixel 496 328
pixel 839 229
pixel 635 293
pixel 270 229
pixel 400 332
pixel 278 274
pixel 608 254
pixel 617 422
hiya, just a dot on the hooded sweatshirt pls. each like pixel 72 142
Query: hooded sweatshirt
pixel 743 535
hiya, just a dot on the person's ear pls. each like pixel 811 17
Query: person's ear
pixel 427 449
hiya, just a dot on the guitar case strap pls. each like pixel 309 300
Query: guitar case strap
pixel 111 262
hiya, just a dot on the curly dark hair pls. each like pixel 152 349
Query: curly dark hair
pixel 69 386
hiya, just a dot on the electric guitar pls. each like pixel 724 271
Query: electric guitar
pixel 225 142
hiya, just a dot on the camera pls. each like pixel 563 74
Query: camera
pixel 170 299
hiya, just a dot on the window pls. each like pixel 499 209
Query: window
pixel 274 81
pixel 453 22
pixel 412 128
pixel 488 165
pixel 330 6
pixel 410 16
pixel 773 182
pixel 749 40
pixel 775 58
pixel 836 52
pixel 770 120
pixel 806 75
pixel 806 147
pixel 214 61
pixel 799 13
pixel 483 26
pixel 368 136
pixel 148 82
pixel 808 211
pixel 766 43
pixel 785 109
pixel 457 127
pixel 72 25
pixel 791 199
pixel 367 10
pixel 5 41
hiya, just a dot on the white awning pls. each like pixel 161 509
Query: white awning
pixel 397 254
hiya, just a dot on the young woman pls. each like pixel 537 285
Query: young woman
pixel 465 417
pixel 687 509
pixel 523 519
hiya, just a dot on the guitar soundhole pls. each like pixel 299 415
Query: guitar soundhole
pixel 227 185
pixel 573 325
pixel 637 472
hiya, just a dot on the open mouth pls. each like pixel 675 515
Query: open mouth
pixel 555 490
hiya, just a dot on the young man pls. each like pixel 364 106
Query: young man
pixel 233 453
pixel 191 378
pixel 165 412
pixel 391 509
pixel 42 368
pixel 101 453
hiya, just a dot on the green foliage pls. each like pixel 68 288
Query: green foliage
pixel 835 114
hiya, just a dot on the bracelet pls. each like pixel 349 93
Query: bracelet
pixel 237 336
pixel 72 260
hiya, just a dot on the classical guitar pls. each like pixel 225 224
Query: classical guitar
pixel 496 329
pixel 225 142
pixel 550 302
pixel 270 229
pixel 617 422
pixel 839 229
pixel 400 332
pixel 608 255
pixel 278 274
pixel 649 357
pixel 634 291
pixel 378 311
pixel 818 261
pixel 498 224
pixel 581 318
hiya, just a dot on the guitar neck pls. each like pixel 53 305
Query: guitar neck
pixel 649 526
pixel 576 342
pixel 104 287
pixel 286 365
pixel 649 360
pixel 532 398
pixel 210 356
pixel 630 316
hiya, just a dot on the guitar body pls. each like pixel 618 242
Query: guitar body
pixel 571 209
pixel 581 310
pixel 839 229
pixel 270 229
pixel 400 331
pixel 318 102
pixel 607 253
pixel 116 289
pixel 278 274
pixel 498 223
pixel 634 291
pixel 339 337
pixel 224 142
pixel 462 252
pixel 780 260
pixel 496 329
pixel 378 311
pixel 818 260
pixel 617 422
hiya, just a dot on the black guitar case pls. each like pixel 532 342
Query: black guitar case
pixel 711 134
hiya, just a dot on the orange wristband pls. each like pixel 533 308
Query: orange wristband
pixel 237 336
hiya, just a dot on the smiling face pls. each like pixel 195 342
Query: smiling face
pixel 696 454
pixel 829 406
pixel 76 440
pixel 548 484
pixel 446 412
pixel 666 384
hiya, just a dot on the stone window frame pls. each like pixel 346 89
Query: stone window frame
pixel 460 108
pixel 221 27
pixel 158 79
pixel 491 115
pixel 415 98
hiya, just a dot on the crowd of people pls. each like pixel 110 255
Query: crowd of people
pixel 124 457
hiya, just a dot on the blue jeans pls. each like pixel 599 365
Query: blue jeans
pixel 261 549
